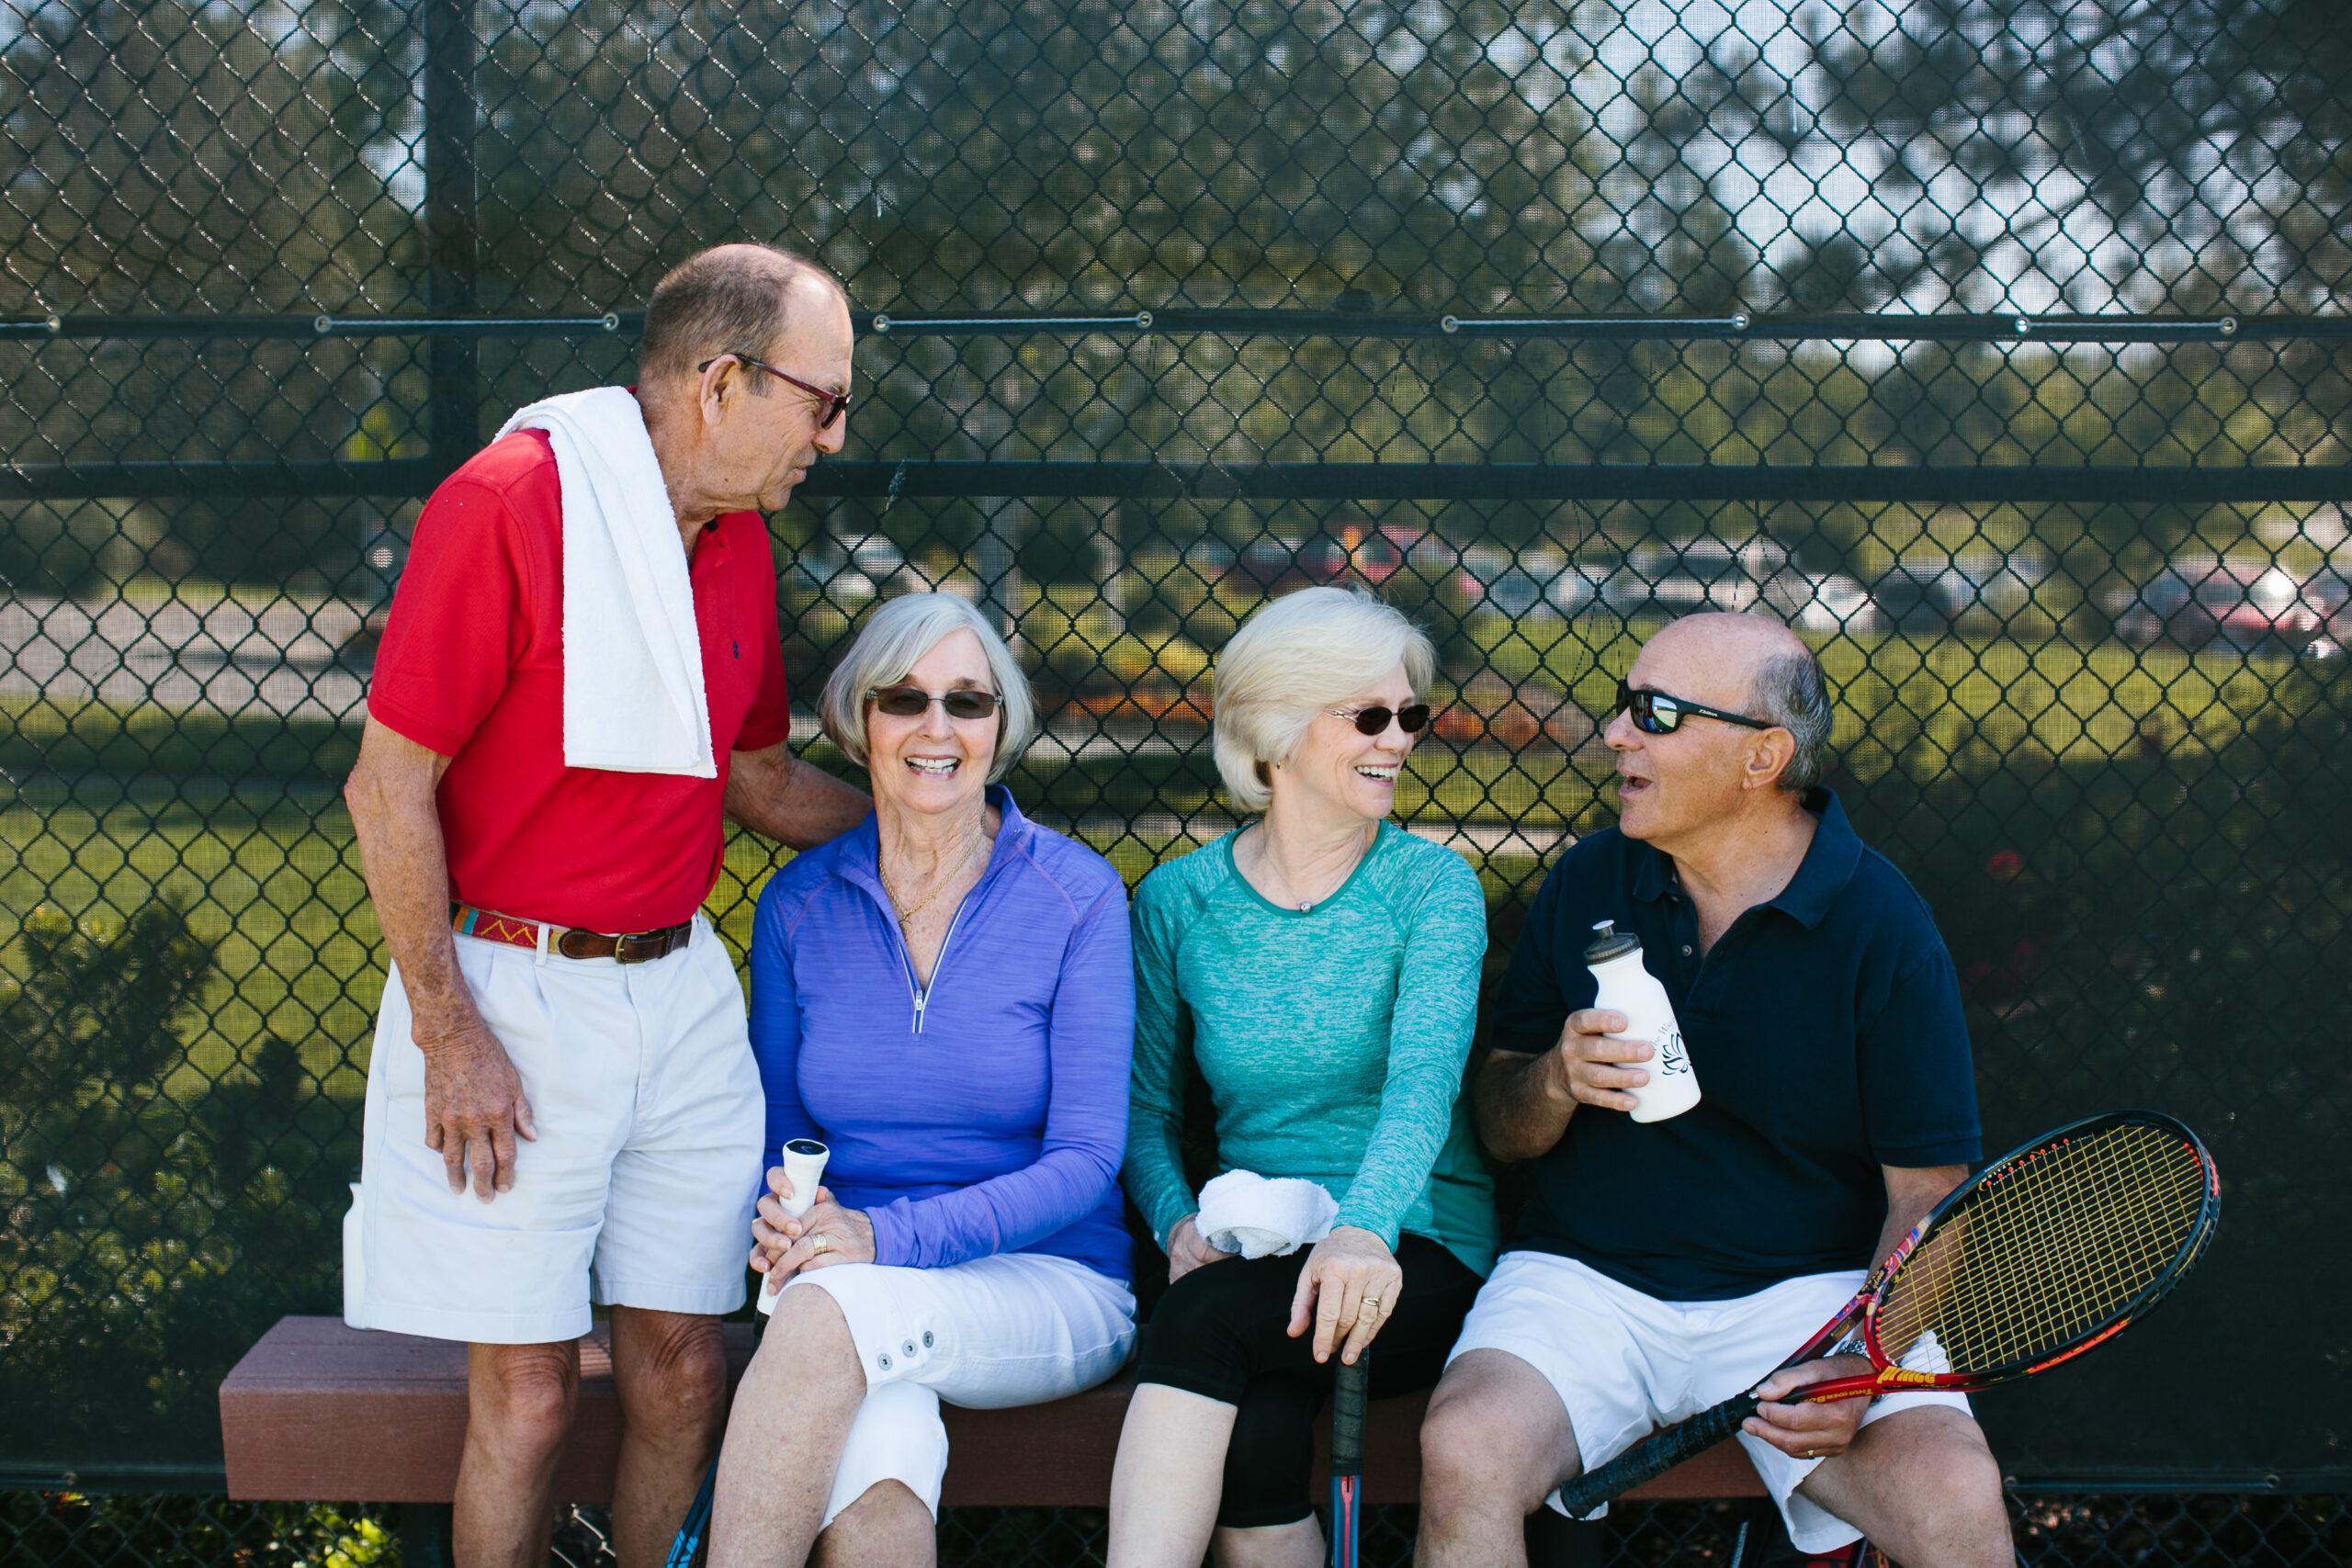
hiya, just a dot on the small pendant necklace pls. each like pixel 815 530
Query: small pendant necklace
pixel 907 913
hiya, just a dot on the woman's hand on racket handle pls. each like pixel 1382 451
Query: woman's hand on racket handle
pixel 1809 1431
pixel 769 1241
pixel 1346 1291
pixel 1597 1067
pixel 823 1236
pixel 1188 1249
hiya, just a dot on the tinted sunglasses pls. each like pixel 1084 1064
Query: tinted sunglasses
pixel 965 702
pixel 1372 721
pixel 835 404
pixel 1656 713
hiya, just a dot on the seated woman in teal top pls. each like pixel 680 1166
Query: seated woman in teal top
pixel 1319 968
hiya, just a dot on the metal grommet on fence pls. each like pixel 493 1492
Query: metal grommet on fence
pixel 612 320
pixel 1143 320
pixel 1740 319
pixel 2020 326
pixel 1449 324
pixel 2228 325
pixel 55 323
pixel 322 323
pixel 881 324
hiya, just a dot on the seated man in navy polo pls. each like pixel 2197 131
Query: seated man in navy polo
pixel 1663 1266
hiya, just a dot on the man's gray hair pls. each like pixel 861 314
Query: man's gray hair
pixel 727 300
pixel 893 642
pixel 1791 690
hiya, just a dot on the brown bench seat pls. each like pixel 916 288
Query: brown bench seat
pixel 317 1410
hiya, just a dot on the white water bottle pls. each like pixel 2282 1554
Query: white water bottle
pixel 804 1163
pixel 1628 987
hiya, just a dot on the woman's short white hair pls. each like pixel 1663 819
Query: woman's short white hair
pixel 893 642
pixel 1292 659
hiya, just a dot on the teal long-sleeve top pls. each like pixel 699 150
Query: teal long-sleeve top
pixel 1333 1042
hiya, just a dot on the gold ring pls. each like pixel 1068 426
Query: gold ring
pixel 1371 1302
pixel 820 1242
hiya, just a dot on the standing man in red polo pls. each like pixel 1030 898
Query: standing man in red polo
pixel 562 1105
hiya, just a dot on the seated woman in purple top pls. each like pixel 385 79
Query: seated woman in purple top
pixel 943 995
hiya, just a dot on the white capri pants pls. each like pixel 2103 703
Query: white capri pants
pixel 1624 1362
pixel 1016 1328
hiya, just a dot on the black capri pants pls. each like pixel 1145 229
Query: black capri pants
pixel 1218 1333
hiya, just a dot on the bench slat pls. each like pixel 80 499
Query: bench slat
pixel 316 1409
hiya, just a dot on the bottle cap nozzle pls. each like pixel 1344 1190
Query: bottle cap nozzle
pixel 1609 942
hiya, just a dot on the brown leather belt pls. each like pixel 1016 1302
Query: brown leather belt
pixel 569 941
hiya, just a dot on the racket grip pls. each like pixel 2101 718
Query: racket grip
pixel 1347 1416
pixel 1654 1456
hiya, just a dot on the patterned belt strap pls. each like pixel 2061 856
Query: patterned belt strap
pixel 466 920
pixel 569 942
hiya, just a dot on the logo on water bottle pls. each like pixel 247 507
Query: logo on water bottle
pixel 1670 1057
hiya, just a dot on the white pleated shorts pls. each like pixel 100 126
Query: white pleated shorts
pixel 638 1189
pixel 1016 1328
pixel 1624 1363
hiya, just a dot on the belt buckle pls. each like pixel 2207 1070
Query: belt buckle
pixel 620 947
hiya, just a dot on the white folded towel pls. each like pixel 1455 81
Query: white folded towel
pixel 633 696
pixel 1264 1217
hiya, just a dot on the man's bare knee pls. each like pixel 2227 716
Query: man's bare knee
pixel 527 1391
pixel 1494 1434
pixel 669 1366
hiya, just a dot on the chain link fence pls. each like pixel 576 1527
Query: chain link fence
pixel 1996 344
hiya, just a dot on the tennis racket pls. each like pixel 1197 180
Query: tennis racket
pixel 1347 1458
pixel 2056 1246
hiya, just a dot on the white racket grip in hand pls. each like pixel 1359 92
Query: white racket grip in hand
pixel 804 1165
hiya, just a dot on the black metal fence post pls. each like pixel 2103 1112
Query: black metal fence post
pixel 452 362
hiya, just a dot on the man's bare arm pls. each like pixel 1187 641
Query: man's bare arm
pixel 474 1102
pixel 799 805
pixel 1522 1102
pixel 1911 1191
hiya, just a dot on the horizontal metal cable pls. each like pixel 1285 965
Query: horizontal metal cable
pixel 1273 481
pixel 2008 328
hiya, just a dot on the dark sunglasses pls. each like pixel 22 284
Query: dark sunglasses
pixel 1373 721
pixel 912 701
pixel 1656 713
pixel 836 403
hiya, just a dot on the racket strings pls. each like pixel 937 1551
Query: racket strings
pixel 2047 1253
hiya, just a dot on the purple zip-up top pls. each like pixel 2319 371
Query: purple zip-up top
pixel 987 1112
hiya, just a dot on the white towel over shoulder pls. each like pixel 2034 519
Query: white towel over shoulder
pixel 1259 1216
pixel 633 696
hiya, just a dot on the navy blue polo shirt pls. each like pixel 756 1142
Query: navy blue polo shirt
pixel 1825 1030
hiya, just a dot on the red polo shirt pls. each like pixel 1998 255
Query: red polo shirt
pixel 471 666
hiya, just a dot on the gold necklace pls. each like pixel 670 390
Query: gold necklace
pixel 907 913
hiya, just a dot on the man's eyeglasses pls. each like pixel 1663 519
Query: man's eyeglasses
pixel 965 702
pixel 835 403
pixel 1375 720
pixel 1656 713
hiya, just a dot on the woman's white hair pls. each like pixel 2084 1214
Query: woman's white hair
pixel 893 642
pixel 1292 659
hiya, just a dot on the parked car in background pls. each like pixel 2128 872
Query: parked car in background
pixel 2201 603
pixel 1662 579
pixel 1823 603
pixel 1983 591
pixel 1364 552
pixel 847 571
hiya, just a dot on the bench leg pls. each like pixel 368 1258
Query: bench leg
pixel 424 1534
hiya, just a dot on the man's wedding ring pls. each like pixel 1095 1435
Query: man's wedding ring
pixel 820 1242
